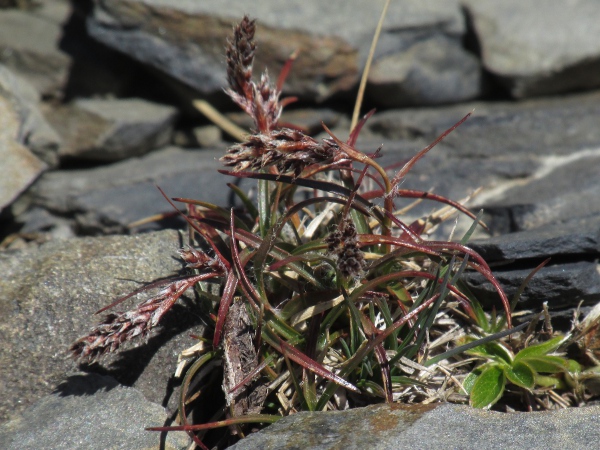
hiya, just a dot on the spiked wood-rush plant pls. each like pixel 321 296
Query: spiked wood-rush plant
pixel 317 295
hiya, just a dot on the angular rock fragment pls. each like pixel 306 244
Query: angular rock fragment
pixel 537 51
pixel 108 199
pixel 113 129
pixel 185 41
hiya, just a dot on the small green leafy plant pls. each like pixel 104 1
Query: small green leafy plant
pixel 525 369
pixel 315 294
pixel 534 364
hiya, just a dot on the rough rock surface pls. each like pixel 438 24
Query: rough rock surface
pixel 19 166
pixel 32 130
pixel 93 412
pixel 111 130
pixel 430 71
pixel 30 45
pixel 48 295
pixel 185 41
pixel 110 198
pixel 538 51
pixel 383 427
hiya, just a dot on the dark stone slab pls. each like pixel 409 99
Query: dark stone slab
pixel 562 285
pixel 185 41
pixel 108 130
pixel 580 237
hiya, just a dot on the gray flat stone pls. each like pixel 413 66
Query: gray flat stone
pixel 537 160
pixel 533 127
pixel 185 39
pixel 20 167
pixel 537 50
pixel 92 412
pixel 433 427
pixel 48 295
pixel 431 71
pixel 30 45
pixel 580 237
pixel 33 131
pixel 107 199
pixel 112 129
pixel 561 190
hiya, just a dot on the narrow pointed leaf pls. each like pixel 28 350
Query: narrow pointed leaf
pixel 356 130
pixel 226 299
pixel 245 200
pixel 402 172
pixel 410 193
pixel 465 347
pixel 310 364
pixel 250 418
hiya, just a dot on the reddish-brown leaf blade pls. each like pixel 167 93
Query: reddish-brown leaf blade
pixel 356 130
pixel 310 364
pixel 409 165
pixel 410 193
pixel 226 299
pixel 250 418
pixel 285 70
pixel 375 239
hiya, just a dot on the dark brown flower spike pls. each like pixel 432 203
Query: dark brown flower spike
pixel 288 150
pixel 240 56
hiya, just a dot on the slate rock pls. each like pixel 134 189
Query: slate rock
pixel 20 167
pixel 20 4
pixel 580 237
pixel 46 43
pixel 186 39
pixel 112 129
pixel 545 150
pixel 30 45
pixel 33 131
pixel 561 190
pixel 107 199
pixel 207 136
pixel 92 412
pixel 537 51
pixel 431 427
pixel 432 71
pixel 540 127
pixel 48 295
pixel 563 285
pixel 41 225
